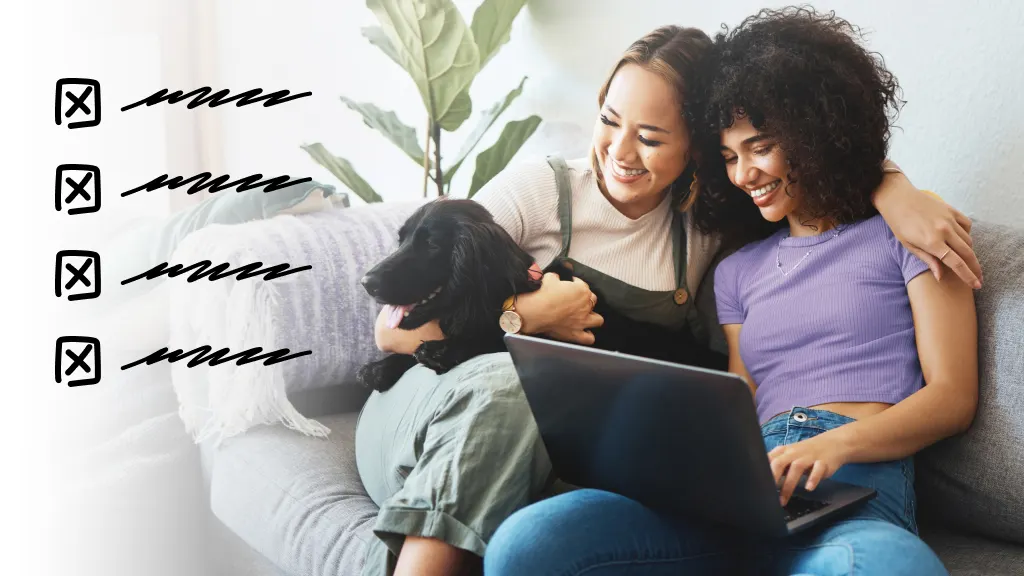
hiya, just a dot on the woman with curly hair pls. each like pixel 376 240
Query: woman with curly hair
pixel 856 358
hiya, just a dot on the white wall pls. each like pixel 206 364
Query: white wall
pixel 960 67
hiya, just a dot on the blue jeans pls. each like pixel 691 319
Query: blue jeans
pixel 602 534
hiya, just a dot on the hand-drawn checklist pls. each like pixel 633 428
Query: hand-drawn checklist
pixel 77 191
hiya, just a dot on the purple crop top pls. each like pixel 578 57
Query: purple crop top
pixel 837 328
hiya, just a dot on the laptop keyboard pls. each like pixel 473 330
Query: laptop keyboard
pixel 797 507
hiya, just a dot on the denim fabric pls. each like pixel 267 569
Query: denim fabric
pixel 894 481
pixel 603 534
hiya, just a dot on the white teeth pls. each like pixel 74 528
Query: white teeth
pixel 765 189
pixel 622 172
pixel 431 297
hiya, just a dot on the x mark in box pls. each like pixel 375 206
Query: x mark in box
pixel 77 274
pixel 83 97
pixel 84 355
pixel 79 192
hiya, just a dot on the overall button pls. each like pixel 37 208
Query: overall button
pixel 568 265
pixel 680 296
pixel 800 417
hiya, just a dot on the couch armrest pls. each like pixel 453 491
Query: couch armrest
pixel 323 310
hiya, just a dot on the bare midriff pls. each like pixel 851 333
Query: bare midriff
pixel 855 410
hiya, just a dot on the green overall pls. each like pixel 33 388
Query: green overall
pixel 452 456
pixel 649 323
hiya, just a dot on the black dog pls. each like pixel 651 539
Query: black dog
pixel 453 264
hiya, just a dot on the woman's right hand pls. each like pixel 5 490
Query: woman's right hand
pixel 561 310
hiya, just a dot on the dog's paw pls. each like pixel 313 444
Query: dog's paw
pixel 371 376
pixel 382 374
pixel 436 355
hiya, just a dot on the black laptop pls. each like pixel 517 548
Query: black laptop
pixel 675 438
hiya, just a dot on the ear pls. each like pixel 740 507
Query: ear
pixel 487 266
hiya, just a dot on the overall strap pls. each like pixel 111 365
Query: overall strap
pixel 679 246
pixel 564 200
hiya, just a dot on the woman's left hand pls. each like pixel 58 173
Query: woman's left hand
pixel 930 229
pixel 818 457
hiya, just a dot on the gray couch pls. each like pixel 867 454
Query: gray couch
pixel 290 504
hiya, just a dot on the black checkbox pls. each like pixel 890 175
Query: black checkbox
pixel 77 102
pixel 77 356
pixel 77 274
pixel 77 187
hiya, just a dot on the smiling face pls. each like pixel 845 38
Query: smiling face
pixel 757 166
pixel 641 140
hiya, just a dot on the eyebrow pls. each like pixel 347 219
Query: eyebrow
pixel 650 127
pixel 749 141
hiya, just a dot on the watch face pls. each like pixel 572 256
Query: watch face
pixel 510 322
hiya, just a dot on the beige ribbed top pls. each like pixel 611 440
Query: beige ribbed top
pixel 524 200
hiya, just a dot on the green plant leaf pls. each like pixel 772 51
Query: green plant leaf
pixel 460 111
pixel 486 121
pixel 388 124
pixel 343 171
pixel 434 45
pixel 492 22
pixel 377 37
pixel 494 159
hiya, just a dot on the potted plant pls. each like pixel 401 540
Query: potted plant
pixel 430 40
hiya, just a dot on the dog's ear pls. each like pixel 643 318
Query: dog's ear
pixel 487 266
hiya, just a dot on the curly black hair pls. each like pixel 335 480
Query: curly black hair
pixel 802 77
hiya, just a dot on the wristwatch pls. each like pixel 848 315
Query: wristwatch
pixel 510 321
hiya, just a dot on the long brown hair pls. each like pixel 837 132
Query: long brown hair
pixel 671 52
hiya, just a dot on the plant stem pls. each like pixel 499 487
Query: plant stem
pixel 426 157
pixel 438 176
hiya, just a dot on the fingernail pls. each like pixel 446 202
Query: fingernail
pixel 977 285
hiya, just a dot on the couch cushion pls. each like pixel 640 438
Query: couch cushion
pixel 973 556
pixel 295 499
pixel 323 310
pixel 973 481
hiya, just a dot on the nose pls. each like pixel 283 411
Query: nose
pixel 621 148
pixel 744 173
pixel 370 284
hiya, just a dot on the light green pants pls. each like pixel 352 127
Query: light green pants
pixel 448 457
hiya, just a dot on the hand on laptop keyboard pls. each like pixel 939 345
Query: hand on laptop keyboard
pixel 798 507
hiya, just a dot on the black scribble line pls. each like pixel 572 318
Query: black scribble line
pixel 218 272
pixel 204 355
pixel 217 184
pixel 201 96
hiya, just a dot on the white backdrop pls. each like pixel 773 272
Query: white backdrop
pixel 960 64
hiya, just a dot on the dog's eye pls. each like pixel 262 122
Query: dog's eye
pixel 423 238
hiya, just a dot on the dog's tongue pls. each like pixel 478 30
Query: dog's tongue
pixel 396 313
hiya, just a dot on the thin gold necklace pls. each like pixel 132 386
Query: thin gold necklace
pixel 778 251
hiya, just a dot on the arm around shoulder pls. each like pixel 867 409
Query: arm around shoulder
pixel 934 231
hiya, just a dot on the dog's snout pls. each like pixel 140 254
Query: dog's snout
pixel 370 284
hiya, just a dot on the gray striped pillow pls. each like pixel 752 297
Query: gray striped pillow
pixel 324 310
